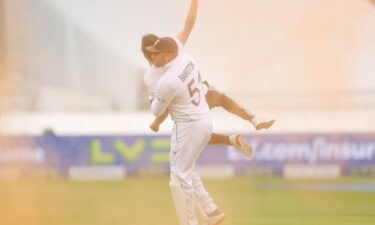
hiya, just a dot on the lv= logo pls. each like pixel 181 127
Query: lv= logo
pixel 129 153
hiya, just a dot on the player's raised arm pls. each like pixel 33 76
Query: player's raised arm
pixel 189 22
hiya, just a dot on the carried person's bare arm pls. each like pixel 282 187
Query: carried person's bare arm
pixel 158 120
pixel 189 22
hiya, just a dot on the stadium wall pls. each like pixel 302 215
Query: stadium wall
pixel 115 157
pixel 113 146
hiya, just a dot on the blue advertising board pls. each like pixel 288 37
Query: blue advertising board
pixel 353 154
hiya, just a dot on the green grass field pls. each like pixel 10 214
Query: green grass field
pixel 148 202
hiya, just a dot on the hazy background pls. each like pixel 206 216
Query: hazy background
pixel 76 65
pixel 74 55
pixel 73 105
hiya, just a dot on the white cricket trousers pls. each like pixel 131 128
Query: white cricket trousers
pixel 187 142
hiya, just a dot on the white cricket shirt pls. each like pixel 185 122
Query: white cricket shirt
pixel 152 78
pixel 180 89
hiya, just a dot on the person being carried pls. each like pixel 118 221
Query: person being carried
pixel 214 97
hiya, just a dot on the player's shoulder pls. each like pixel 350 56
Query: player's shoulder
pixel 154 70
pixel 147 78
pixel 147 75
pixel 152 74
pixel 169 80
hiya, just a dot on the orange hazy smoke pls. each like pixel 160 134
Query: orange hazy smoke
pixel 10 64
pixel 301 53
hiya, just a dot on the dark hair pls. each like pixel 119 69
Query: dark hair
pixel 148 40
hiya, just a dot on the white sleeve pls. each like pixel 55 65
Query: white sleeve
pixel 151 84
pixel 165 94
pixel 151 87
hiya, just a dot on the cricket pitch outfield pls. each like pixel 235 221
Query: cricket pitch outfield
pixel 137 201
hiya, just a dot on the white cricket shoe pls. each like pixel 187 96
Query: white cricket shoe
pixel 215 219
pixel 261 123
pixel 238 142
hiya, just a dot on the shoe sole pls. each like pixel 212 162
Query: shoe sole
pixel 265 125
pixel 221 219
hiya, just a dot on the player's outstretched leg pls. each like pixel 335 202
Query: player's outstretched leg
pixel 216 98
pixel 240 144
pixel 235 140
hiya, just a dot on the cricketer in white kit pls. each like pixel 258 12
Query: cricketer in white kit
pixel 181 92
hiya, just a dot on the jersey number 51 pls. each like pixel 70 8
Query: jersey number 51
pixel 193 90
